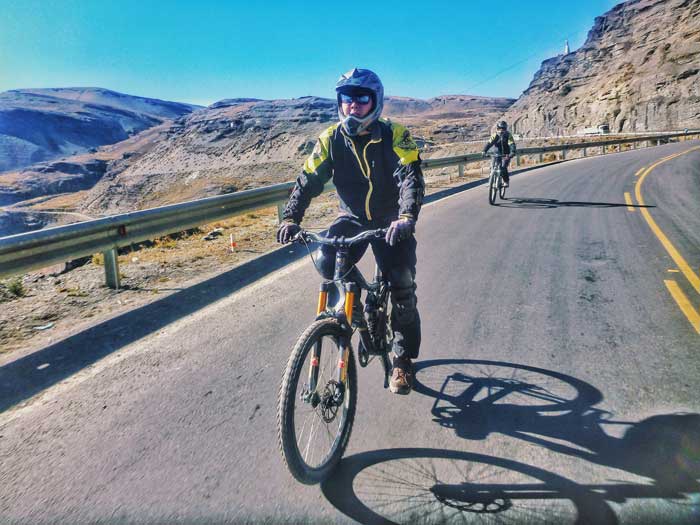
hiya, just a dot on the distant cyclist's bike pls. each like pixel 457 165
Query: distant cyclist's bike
pixel 496 186
pixel 318 395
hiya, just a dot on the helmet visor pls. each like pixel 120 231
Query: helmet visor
pixel 358 99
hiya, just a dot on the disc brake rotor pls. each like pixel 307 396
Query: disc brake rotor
pixel 331 399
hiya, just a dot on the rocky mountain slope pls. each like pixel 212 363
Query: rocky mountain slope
pixel 637 71
pixel 238 144
pixel 448 118
pixel 42 124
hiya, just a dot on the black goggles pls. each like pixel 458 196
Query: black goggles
pixel 359 99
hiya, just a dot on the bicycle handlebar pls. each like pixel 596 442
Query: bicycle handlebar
pixel 338 242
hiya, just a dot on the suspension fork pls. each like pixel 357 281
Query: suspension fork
pixel 351 289
pixel 316 352
pixel 342 264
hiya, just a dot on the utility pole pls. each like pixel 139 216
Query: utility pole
pixel 566 47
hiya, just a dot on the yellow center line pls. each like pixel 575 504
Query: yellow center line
pixel 628 200
pixel 639 171
pixel 683 266
pixel 684 304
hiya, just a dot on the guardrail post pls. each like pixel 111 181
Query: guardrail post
pixel 658 142
pixel 461 170
pixel 541 158
pixel 280 211
pixel 517 160
pixel 563 154
pixel 111 268
pixel 585 152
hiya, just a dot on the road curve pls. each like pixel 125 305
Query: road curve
pixel 557 379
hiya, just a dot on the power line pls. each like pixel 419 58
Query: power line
pixel 514 65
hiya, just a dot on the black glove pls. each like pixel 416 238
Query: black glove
pixel 287 231
pixel 399 230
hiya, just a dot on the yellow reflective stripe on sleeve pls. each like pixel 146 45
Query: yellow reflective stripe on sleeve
pixel 404 146
pixel 320 152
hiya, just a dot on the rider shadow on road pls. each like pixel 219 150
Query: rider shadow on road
pixel 541 203
pixel 476 398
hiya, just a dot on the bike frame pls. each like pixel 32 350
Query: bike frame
pixel 343 310
pixel 495 176
pixel 497 165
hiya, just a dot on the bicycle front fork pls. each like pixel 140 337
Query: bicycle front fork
pixel 344 343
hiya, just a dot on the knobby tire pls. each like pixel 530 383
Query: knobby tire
pixel 493 189
pixel 295 371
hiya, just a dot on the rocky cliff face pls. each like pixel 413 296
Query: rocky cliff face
pixel 42 124
pixel 637 71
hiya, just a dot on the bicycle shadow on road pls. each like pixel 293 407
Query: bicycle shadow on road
pixel 476 398
pixel 556 411
pixel 541 203
pixel 433 486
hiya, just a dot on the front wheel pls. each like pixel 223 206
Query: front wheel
pixel 315 413
pixel 493 187
pixel 501 189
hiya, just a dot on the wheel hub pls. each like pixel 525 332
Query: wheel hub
pixel 331 400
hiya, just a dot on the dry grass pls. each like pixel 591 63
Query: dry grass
pixel 63 202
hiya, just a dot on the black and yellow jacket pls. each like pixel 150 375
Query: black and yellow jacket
pixel 377 176
pixel 505 144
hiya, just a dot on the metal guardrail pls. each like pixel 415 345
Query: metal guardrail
pixel 474 157
pixel 30 251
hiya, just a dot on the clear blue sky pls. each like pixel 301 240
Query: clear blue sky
pixel 207 50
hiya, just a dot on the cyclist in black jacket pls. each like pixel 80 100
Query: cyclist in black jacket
pixel 504 142
pixel 375 166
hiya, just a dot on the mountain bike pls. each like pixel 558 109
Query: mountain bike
pixel 496 185
pixel 318 394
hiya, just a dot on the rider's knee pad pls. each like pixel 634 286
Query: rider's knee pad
pixel 403 295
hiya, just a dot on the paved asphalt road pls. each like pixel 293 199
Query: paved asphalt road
pixel 557 380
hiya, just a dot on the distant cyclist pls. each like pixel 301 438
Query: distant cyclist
pixel 375 167
pixel 503 140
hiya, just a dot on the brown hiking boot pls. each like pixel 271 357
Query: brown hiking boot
pixel 401 380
